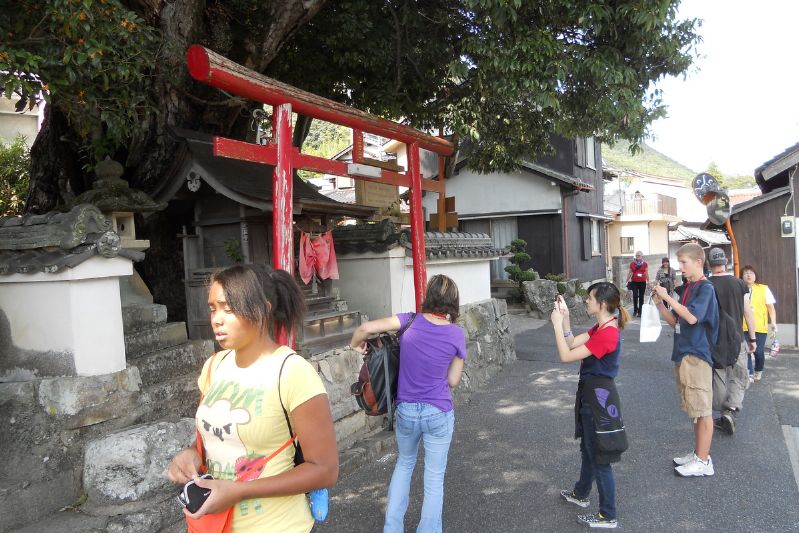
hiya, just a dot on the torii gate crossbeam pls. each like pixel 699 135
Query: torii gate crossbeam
pixel 217 71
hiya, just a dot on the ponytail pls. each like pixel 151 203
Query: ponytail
pixel 287 302
pixel 624 317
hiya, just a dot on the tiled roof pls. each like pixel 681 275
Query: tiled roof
pixel 54 241
pixel 686 233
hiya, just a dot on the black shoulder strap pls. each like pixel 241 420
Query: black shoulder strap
pixel 404 328
pixel 280 397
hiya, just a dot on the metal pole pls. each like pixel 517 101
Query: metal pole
pixel 417 225
pixel 282 185
pixel 736 262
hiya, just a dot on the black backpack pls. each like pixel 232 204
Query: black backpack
pixel 726 349
pixel 376 388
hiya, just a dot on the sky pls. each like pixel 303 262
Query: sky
pixel 739 104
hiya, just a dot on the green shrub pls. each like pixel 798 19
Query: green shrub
pixel 15 164
pixel 556 277
pixel 518 247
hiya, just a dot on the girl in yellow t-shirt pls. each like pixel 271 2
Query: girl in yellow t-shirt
pixel 240 418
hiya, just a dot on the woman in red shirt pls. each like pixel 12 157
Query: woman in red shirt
pixel 636 280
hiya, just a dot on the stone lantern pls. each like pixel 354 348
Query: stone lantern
pixel 117 200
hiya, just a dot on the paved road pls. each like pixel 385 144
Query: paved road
pixel 513 450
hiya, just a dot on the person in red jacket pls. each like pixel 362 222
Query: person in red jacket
pixel 636 281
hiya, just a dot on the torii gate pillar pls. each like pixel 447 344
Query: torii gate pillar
pixel 282 192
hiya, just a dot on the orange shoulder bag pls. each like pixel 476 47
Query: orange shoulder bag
pixel 222 522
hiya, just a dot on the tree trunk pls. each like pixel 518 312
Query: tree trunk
pixel 57 175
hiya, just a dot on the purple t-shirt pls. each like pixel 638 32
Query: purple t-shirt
pixel 426 350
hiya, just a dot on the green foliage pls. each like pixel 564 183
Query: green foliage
pixel 15 162
pixel 92 58
pixel 562 287
pixel 580 291
pixel 504 75
pixel 730 182
pixel 518 247
pixel 647 161
pixel 556 277
pixel 325 140
pixel 233 250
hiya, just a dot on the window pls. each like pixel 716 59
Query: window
pixel 595 238
pixel 585 152
pixel 627 245
pixel 590 156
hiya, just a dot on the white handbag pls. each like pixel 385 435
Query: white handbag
pixel 650 323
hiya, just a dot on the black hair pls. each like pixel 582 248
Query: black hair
pixel 752 269
pixel 607 292
pixel 267 298
pixel 442 297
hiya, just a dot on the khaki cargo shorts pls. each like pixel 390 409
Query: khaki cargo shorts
pixel 694 386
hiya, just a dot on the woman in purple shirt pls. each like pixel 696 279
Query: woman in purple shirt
pixel 432 352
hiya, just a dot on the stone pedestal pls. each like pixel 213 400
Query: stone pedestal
pixel 67 323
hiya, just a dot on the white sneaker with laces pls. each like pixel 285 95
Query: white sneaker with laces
pixel 687 458
pixel 695 468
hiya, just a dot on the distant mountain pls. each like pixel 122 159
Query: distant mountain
pixel 648 161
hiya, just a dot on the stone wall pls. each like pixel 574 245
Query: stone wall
pixel 72 440
pixel 540 295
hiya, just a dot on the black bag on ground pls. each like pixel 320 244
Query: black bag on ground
pixel 376 388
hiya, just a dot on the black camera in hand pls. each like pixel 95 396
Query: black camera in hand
pixel 193 497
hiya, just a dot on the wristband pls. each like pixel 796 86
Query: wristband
pixel 567 334
pixel 752 340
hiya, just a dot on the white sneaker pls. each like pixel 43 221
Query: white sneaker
pixel 758 376
pixel 696 468
pixel 687 458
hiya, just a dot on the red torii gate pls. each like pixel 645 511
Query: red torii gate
pixel 217 71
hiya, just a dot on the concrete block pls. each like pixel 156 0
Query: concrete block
pixel 130 465
pixel 88 400
pixel 142 316
pixel 161 336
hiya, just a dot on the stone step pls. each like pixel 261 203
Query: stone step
pixel 315 345
pixel 319 302
pixel 175 361
pixel 177 397
pixel 161 336
pixel 137 317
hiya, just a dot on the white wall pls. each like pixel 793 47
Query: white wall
pixel 77 311
pixel 477 194
pixel 381 284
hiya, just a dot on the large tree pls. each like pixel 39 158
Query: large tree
pixel 503 74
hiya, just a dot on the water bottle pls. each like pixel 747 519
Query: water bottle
pixel 319 504
pixel 775 348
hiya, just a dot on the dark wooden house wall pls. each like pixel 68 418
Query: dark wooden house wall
pixel 757 231
pixel 544 234
pixel 582 264
pixel 563 159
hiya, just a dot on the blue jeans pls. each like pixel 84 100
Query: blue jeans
pixel 415 422
pixel 760 356
pixel 590 470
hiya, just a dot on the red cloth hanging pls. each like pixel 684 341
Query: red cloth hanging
pixel 317 254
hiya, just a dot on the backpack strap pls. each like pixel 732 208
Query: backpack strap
pixel 292 436
pixel 404 328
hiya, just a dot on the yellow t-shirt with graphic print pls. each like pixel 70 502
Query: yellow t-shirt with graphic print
pixel 240 420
